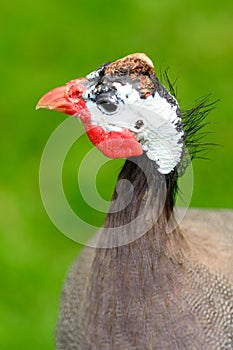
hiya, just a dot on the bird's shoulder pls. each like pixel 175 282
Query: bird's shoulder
pixel 209 234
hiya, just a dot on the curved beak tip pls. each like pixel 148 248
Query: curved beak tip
pixel 53 99
pixel 65 99
pixel 39 105
pixel 42 104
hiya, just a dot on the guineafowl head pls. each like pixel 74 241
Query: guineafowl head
pixel 126 111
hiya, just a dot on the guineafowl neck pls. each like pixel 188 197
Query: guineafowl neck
pixel 129 279
pixel 142 206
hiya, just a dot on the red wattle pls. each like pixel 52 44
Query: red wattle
pixel 114 144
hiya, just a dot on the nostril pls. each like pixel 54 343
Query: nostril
pixel 74 93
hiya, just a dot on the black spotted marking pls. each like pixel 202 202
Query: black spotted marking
pixel 139 124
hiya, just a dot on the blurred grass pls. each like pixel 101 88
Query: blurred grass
pixel 45 44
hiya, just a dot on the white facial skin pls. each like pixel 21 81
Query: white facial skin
pixel 158 135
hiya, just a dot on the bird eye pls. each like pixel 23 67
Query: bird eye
pixel 107 107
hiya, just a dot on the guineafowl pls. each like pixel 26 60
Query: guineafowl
pixel 144 286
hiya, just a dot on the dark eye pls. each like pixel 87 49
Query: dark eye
pixel 107 107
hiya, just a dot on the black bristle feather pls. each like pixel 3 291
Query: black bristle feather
pixel 193 121
pixel 172 88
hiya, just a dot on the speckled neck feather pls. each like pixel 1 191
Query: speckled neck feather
pixel 149 187
pixel 153 197
pixel 141 273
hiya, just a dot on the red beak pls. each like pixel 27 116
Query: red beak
pixel 66 99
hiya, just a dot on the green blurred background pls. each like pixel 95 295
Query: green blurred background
pixel 44 45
